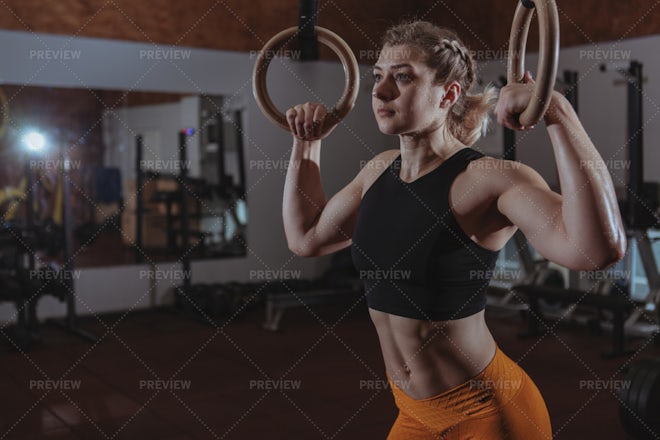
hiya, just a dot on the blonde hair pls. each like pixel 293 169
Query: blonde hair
pixel 445 53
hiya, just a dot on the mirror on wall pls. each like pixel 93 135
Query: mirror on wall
pixel 137 174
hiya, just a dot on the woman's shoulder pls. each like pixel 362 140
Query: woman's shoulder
pixel 484 162
pixel 376 166
pixel 380 162
pixel 501 174
pixel 387 155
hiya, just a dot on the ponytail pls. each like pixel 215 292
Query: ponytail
pixel 469 117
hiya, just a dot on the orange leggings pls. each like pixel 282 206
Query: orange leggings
pixel 499 403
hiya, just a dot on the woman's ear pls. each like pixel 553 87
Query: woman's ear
pixel 452 93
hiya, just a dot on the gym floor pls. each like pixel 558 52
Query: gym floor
pixel 158 375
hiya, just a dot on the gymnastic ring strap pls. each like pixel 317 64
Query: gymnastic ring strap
pixel 529 4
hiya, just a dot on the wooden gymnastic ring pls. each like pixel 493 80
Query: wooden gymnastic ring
pixel 546 70
pixel 334 42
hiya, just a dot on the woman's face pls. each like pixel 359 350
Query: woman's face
pixel 405 98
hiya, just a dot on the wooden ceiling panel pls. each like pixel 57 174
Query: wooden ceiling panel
pixel 240 25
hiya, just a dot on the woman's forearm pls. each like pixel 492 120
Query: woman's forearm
pixel 590 210
pixel 304 198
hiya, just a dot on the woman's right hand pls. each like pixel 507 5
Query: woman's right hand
pixel 306 121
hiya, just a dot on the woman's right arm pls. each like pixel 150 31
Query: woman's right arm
pixel 314 225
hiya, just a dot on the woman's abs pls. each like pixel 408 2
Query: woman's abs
pixel 425 358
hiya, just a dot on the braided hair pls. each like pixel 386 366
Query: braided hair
pixel 445 53
pixel 460 51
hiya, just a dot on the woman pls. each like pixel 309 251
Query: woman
pixel 426 222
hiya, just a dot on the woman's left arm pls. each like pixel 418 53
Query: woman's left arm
pixel 584 230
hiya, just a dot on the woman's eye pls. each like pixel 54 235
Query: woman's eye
pixel 402 77
pixel 377 77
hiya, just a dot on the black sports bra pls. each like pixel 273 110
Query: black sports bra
pixel 413 257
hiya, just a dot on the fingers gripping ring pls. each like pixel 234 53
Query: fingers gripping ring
pixel 546 70
pixel 334 42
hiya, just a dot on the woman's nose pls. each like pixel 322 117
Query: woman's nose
pixel 383 91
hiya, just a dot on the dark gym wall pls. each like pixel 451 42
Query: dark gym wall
pixel 240 25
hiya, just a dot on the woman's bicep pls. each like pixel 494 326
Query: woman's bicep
pixel 336 222
pixel 536 210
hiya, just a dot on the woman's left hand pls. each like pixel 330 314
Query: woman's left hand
pixel 514 99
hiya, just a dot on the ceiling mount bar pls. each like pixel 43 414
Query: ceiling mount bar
pixel 308 12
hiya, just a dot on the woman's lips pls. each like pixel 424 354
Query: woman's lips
pixel 384 112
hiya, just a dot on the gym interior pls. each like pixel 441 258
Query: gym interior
pixel 147 286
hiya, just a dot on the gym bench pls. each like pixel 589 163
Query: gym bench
pixel 618 305
pixel 278 302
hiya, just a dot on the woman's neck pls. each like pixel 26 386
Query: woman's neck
pixel 421 153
